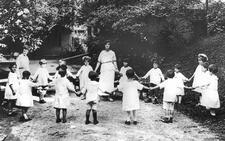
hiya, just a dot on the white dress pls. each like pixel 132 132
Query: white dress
pixel 41 76
pixel 62 87
pixel 123 71
pixel 171 89
pixel 181 79
pixel 22 63
pixel 107 71
pixel 24 95
pixel 13 79
pixel 92 91
pixel 83 76
pixel 210 96
pixel 130 95
pixel 198 78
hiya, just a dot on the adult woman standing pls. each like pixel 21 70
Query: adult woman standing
pixel 107 60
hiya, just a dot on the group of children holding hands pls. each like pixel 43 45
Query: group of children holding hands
pixel 205 82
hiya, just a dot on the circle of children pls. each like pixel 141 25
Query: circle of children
pixel 204 78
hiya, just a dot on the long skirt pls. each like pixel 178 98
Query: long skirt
pixel 106 81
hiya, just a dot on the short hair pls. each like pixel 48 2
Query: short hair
pixel 205 65
pixel 63 67
pixel 155 62
pixel 213 68
pixel 11 65
pixel 26 74
pixel 62 72
pixel 125 60
pixel 203 57
pixel 107 41
pixel 130 73
pixel 42 61
pixel 93 76
pixel 178 66
pixel 170 73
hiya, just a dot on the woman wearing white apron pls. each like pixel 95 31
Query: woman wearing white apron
pixel 107 60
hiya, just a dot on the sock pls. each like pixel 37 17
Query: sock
pixel 88 114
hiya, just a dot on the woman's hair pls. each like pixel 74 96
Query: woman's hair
pixel 93 76
pixel 178 66
pixel 11 65
pixel 26 74
pixel 170 73
pixel 213 68
pixel 205 65
pixel 107 41
pixel 130 73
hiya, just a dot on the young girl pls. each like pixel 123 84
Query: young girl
pixel 156 77
pixel 210 97
pixel 181 78
pixel 12 87
pixel 24 95
pixel 62 99
pixel 171 90
pixel 130 102
pixel 123 71
pixel 42 76
pixel 83 73
pixel 92 97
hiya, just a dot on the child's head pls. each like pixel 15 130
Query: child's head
pixel 26 74
pixel 43 63
pixel 86 60
pixel 93 76
pixel 125 62
pixel 170 73
pixel 62 70
pixel 205 66
pixel 13 67
pixel 177 68
pixel 202 58
pixel 213 68
pixel 155 65
pixel 130 74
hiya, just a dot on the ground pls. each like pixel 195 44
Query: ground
pixel 111 126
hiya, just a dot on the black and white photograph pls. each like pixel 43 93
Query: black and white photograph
pixel 112 70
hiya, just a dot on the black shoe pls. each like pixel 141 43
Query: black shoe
pixel 64 121
pixel 127 122
pixel 135 122
pixel 58 120
pixel 87 122
pixel 42 101
pixel 165 120
pixel 95 122
pixel 22 119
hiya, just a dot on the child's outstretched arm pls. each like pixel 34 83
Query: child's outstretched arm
pixel 146 75
pixel 152 88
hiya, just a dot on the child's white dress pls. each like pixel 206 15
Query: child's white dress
pixel 41 76
pixel 130 95
pixel 83 76
pixel 62 98
pixel 181 79
pixel 13 79
pixel 24 95
pixel 156 76
pixel 210 96
pixel 198 78
pixel 123 71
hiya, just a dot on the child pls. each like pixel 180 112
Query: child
pixel 123 71
pixel 24 95
pixel 156 77
pixel 210 97
pixel 62 99
pixel 41 77
pixel 92 97
pixel 181 78
pixel 83 74
pixel 171 90
pixel 68 73
pixel 12 87
pixel 130 102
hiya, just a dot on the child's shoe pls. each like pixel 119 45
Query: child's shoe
pixel 212 113
pixel 135 122
pixel 165 119
pixel 64 121
pixel 127 122
pixel 58 120
pixel 87 122
pixel 95 122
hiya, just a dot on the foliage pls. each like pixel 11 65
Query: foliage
pixel 29 22
pixel 216 17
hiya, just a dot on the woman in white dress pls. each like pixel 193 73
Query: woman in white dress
pixel 12 87
pixel 107 60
